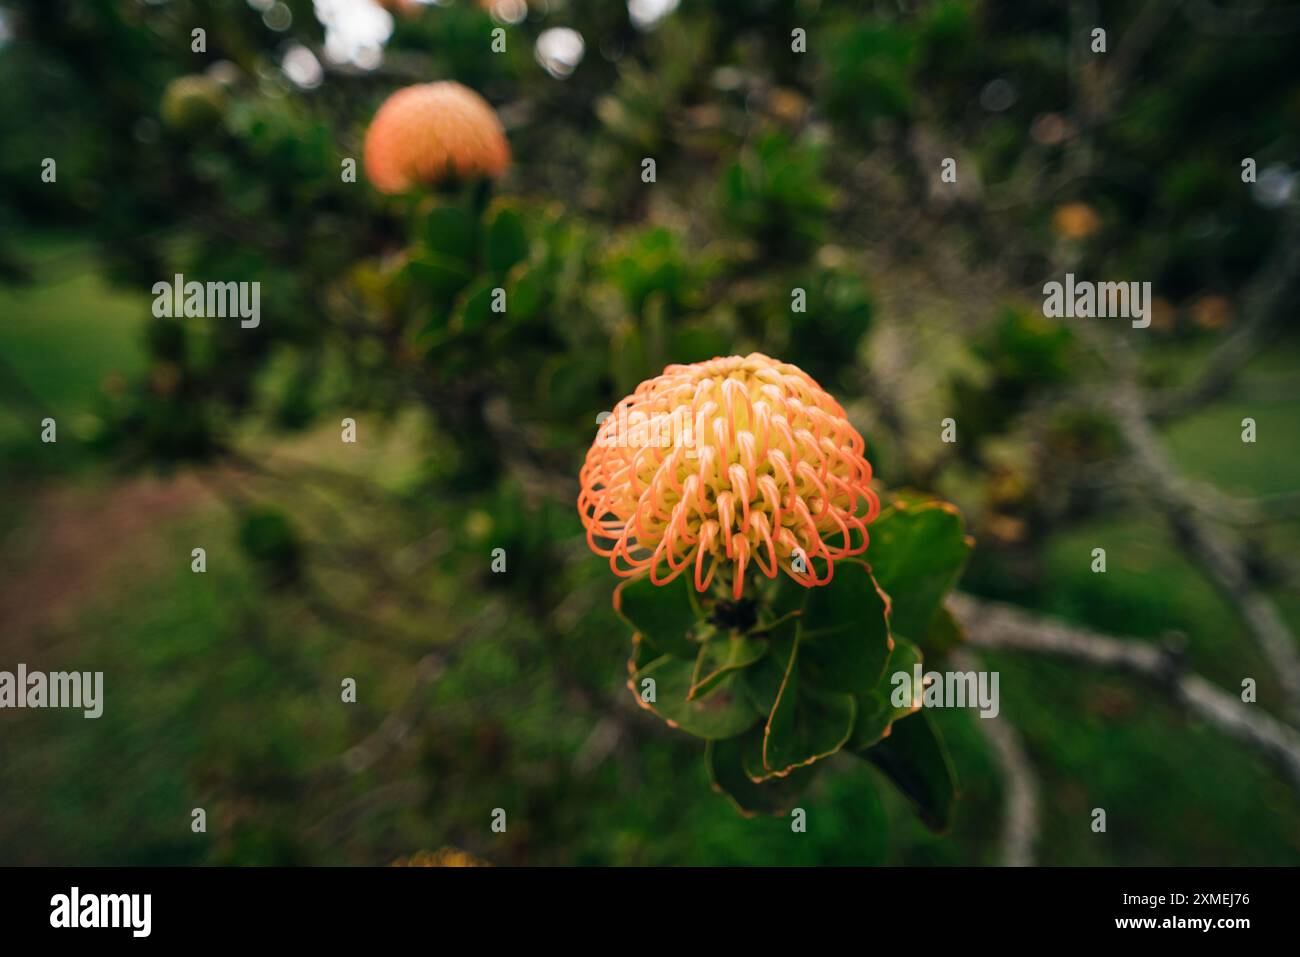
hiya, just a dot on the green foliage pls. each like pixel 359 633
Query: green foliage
pixel 915 758
pixel 917 552
pixel 775 195
pixel 672 618
pixel 838 317
pixel 1022 354
pixel 723 711
pixel 729 762
pixel 781 680
pixel 945 36
pixel 869 73
pixel 876 710
pixel 652 263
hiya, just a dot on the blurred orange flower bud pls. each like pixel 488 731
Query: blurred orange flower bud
pixel 1075 220
pixel 432 132
pixel 1212 312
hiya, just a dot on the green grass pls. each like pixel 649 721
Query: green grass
pixel 66 333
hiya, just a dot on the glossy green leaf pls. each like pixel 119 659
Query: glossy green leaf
pixel 526 293
pixel 917 551
pixel 476 310
pixel 779 599
pixel 441 276
pixel 829 644
pixel 763 679
pixel 843 632
pixel 915 758
pixel 753 746
pixel 669 616
pixel 450 232
pixel 878 710
pixel 507 243
pixel 842 627
pixel 722 655
pixel 642 654
pixel 751 756
pixel 727 775
pixel 723 712
pixel 805 724
pixel 945 633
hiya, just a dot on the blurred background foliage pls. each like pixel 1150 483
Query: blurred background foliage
pixel 775 171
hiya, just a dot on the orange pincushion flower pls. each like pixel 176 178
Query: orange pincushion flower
pixel 727 462
pixel 431 132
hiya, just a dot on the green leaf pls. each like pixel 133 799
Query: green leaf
pixel 945 633
pixel 693 344
pixel 722 655
pixel 567 383
pixel 763 680
pixel 669 616
pixel 526 294
pixel 477 308
pixel 627 360
pixel 844 632
pixel 805 724
pixel 440 275
pixel 450 232
pixel 876 710
pixel 753 746
pixel 727 775
pixel 751 756
pixel 642 654
pixel 507 243
pixel 916 554
pixel 723 712
pixel 778 600
pixel 914 757
pixel 842 627
pixel 829 644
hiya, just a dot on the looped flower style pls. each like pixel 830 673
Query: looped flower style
pixel 728 462
pixel 431 132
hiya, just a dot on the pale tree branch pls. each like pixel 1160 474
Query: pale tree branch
pixel 1003 627
pixel 1020 823
pixel 1218 554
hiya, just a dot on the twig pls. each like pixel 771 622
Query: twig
pixel 1020 820
pixel 400 722
pixel 1003 627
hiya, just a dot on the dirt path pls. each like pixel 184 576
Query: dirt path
pixel 59 556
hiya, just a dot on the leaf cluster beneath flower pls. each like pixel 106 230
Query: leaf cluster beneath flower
pixel 790 675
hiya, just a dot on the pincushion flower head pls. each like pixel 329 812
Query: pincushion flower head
pixel 719 467
pixel 431 133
